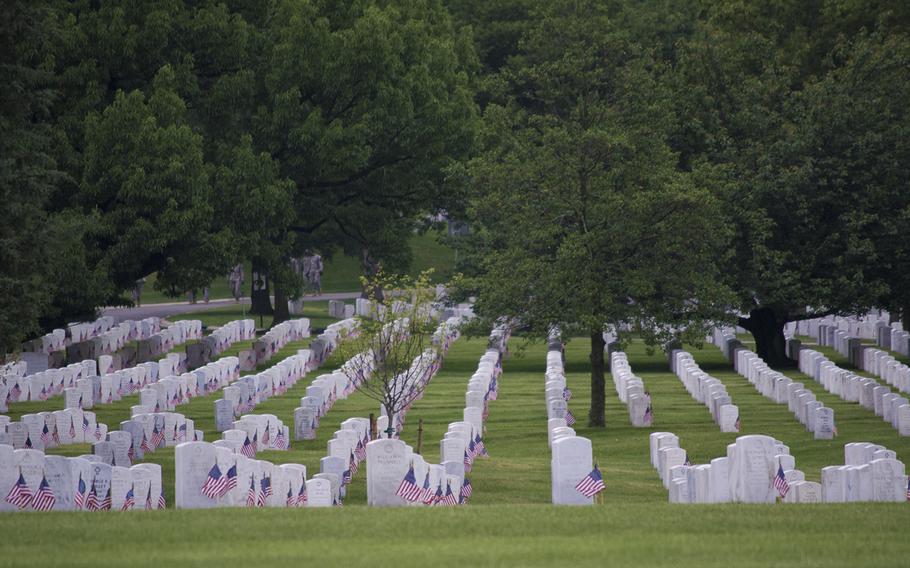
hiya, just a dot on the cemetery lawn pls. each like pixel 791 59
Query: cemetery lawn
pixel 509 521
pixel 342 273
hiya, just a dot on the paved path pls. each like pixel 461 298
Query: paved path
pixel 172 308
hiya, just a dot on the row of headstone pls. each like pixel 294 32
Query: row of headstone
pixel 164 341
pixel 339 310
pixel 871 473
pixel 811 413
pixel 247 392
pixel 51 429
pixel 219 340
pixel 892 407
pixel 113 340
pixel 631 391
pixel 254 433
pixel 326 342
pixel 571 457
pixel 44 384
pixel 210 475
pixel 707 390
pixel 169 392
pixel 862 326
pixel 153 431
pixel 345 452
pixel 392 466
pixel 33 481
pixel 278 336
pixel 756 469
pixel 325 390
pixel 882 364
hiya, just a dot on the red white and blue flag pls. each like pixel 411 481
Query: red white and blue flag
pixel 91 503
pixel 251 494
pixel 570 418
pixel 247 448
pixel 408 488
pixel 301 495
pixel 214 483
pixel 230 480
pixel 466 491
pixel 79 497
pixel 780 482
pixel 44 499
pixel 591 484
pixel 129 501
pixel 449 499
pixel 149 504
pixel 20 495
pixel 145 446
pixel 162 502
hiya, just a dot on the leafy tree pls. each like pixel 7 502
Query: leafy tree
pixel 582 217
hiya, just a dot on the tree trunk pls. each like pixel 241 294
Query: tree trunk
pixel 596 416
pixel 768 330
pixel 905 317
pixel 370 269
pixel 261 303
pixel 390 426
pixel 282 313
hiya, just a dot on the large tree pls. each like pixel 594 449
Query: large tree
pixel 580 217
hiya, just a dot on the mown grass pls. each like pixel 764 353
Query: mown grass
pixel 509 522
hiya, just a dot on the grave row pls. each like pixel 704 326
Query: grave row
pixel 43 384
pixel 882 364
pixel 209 476
pixel 707 390
pixel 113 340
pixel 871 473
pixel 152 431
pixel 892 407
pixel 339 310
pixel 863 326
pixel 253 433
pixel 756 469
pixel 218 341
pixel 245 393
pixel 346 450
pixel 277 337
pixel 631 391
pixel 169 392
pixel 167 339
pixel 326 342
pixel 50 429
pixel 574 480
pixel 32 481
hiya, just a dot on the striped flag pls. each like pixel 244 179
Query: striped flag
pixel 687 462
pixel 449 499
pixel 649 416
pixel 157 437
pixel 43 394
pixel 162 502
pixel 467 461
pixel 149 505
pixel 231 480
pixel 780 482
pixel 265 436
pixel 44 499
pixel 91 503
pixel 301 495
pixel 280 442
pixel 592 484
pixel 466 491
pixel 437 497
pixel 20 495
pixel 85 425
pixel 105 504
pixel 28 442
pixel 472 450
pixel 291 500
pixel 131 452
pixel 255 442
pixel 15 392
pixel 360 451
pixel 129 501
pixel 408 488
pixel 248 450
pixel 427 496
pixel 214 483
pixel 55 434
pixel 72 429
pixel 566 394
pixel 908 489
pixel 251 494
pixel 570 418
pixel 145 446
pixel 79 497
pixel 97 430
pixel 737 424
pixel 481 447
pixel 45 435
pixel 352 465
pixel 265 489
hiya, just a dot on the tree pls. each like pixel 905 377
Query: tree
pixel 580 216
pixel 392 353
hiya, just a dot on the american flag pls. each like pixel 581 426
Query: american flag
pixel 43 394
pixel 449 499
pixel 566 394
pixel 129 501
pixel 145 446
pixel 361 450
pixel 28 442
pixel 97 430
pixel 736 424
pixel 291 500
pixel 91 504
pixel 408 488
pixel 131 452
pixel 649 416
pixel 157 437
pixel 427 496
pixel 687 462
pixel 780 482
pixel 105 504
pixel 80 402
pixel 15 392
pixel 251 494
pixel 214 483
pixel 570 418
pixel 44 499
pixel 85 425
pixel 437 497
pixel 472 450
pixel 280 442
pixel 265 489
pixel 248 450
pixel 301 495
pixel 55 435
pixel 72 429
pixel 20 495
pixel 352 465
pixel 231 480
pixel 79 497
pixel 466 491
pixel 149 505
pixel 592 484
pixel 255 442
pixel 162 502
pixel 908 489
pixel 481 447
pixel 265 437
pixel 467 461
pixel 181 433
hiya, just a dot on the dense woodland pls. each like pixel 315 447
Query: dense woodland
pixel 667 164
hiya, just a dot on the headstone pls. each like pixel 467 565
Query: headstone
pixel 572 460
pixel 387 464
pixel 192 463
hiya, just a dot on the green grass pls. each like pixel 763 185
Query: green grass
pixel 342 273
pixel 509 522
